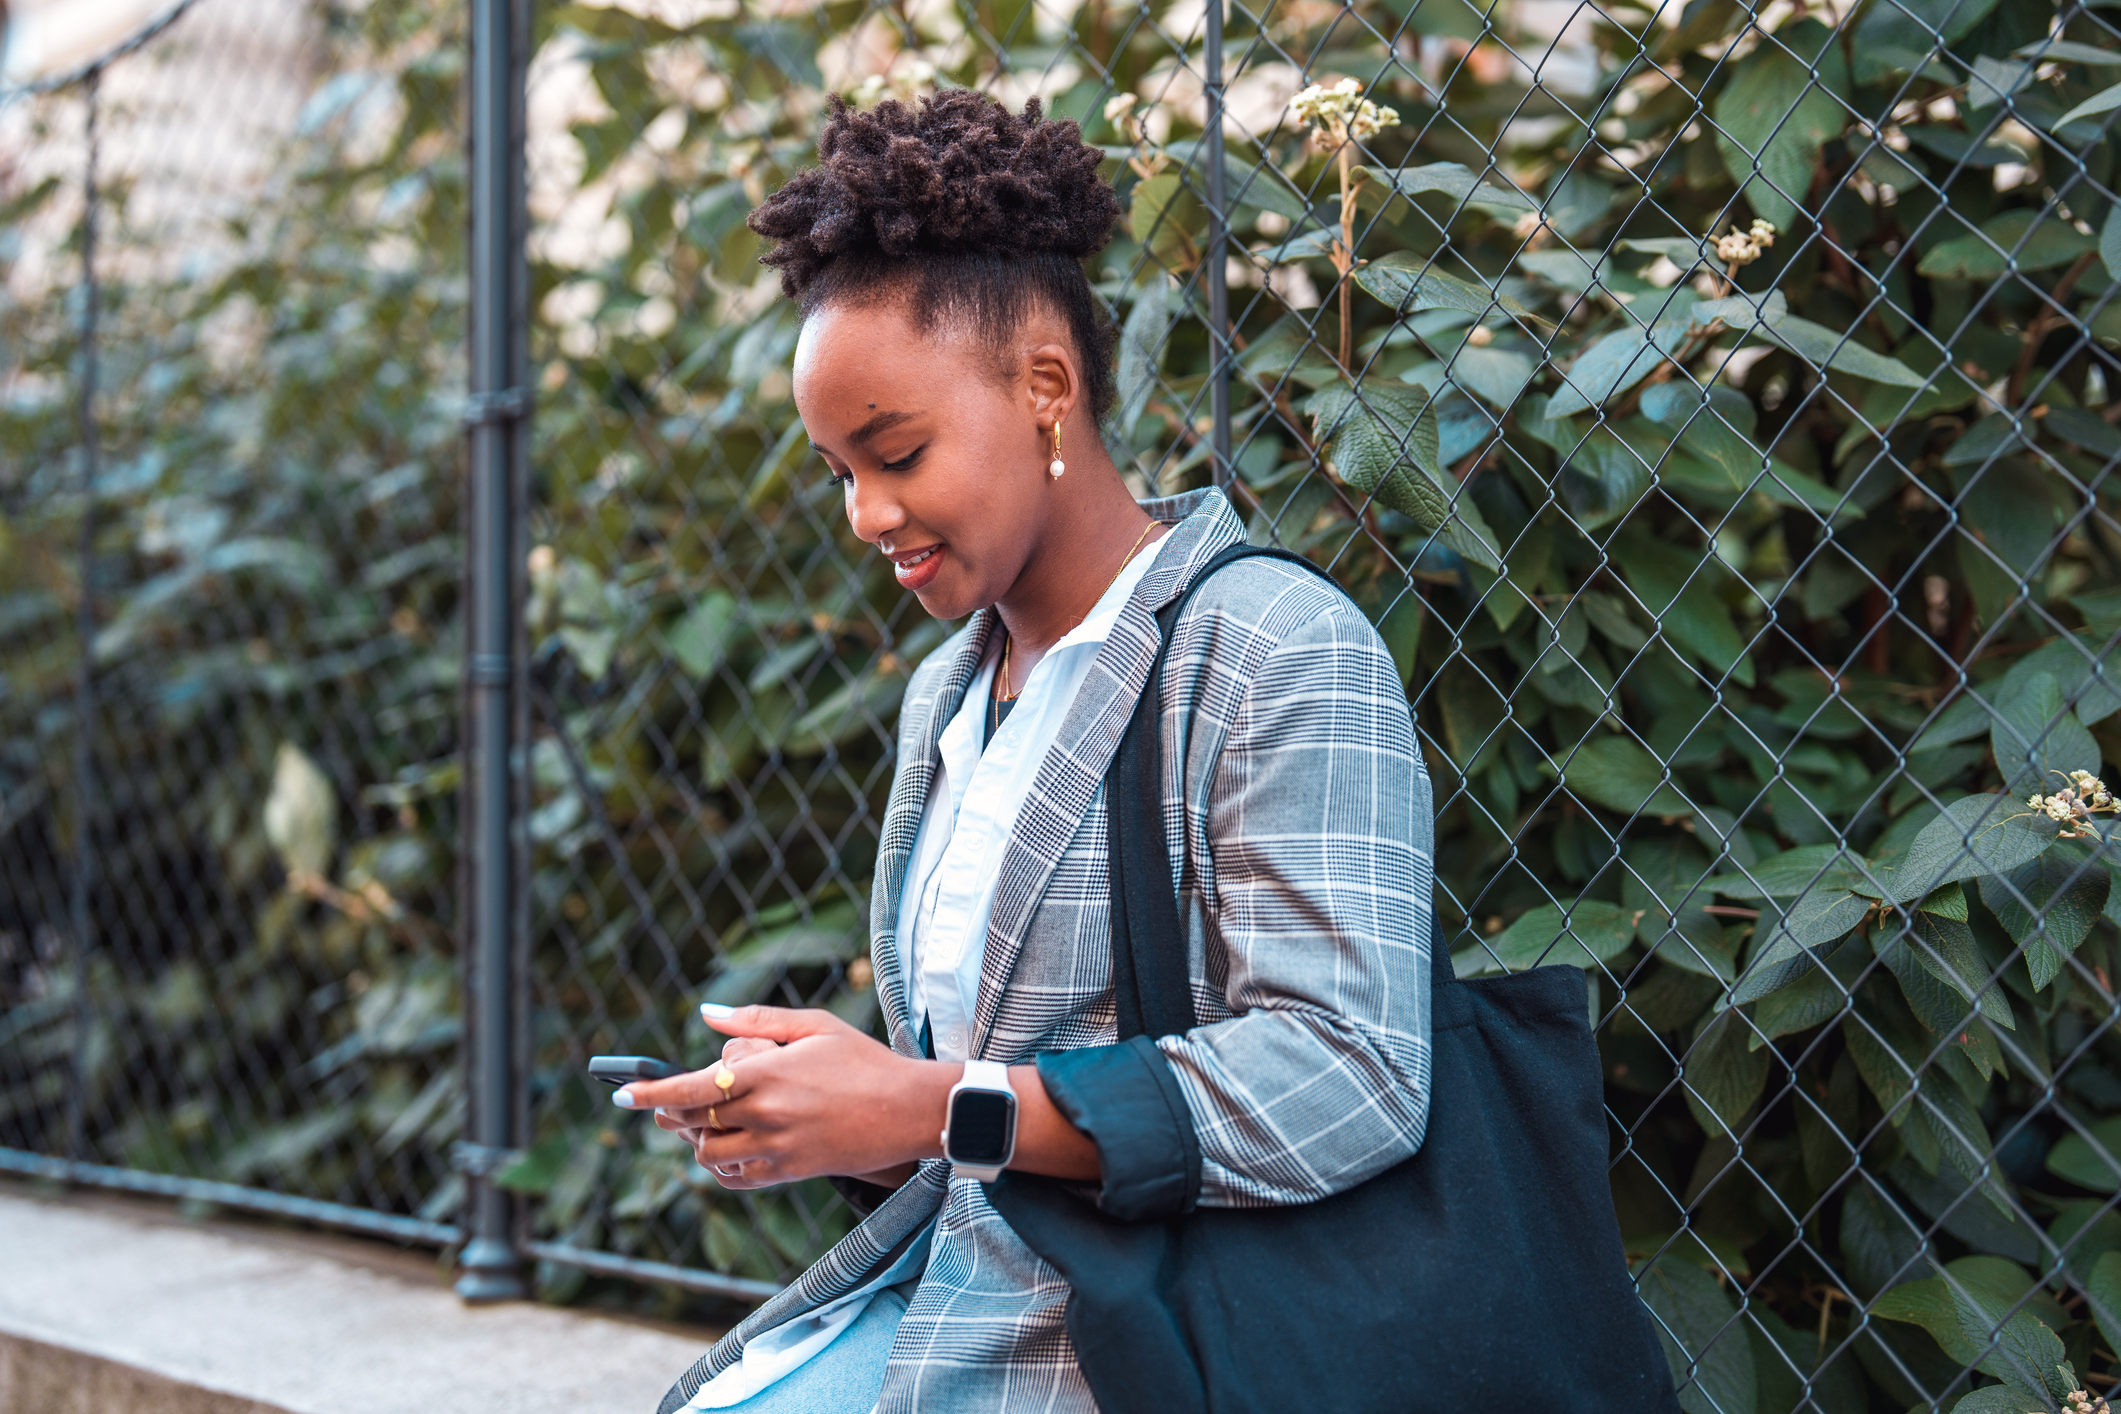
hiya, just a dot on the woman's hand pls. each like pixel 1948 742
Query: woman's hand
pixel 810 1096
pixel 692 1124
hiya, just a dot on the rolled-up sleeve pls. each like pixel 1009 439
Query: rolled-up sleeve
pixel 1317 902
pixel 1127 1099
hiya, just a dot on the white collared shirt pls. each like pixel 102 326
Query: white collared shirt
pixel 972 807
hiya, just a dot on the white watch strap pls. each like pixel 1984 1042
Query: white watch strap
pixel 987 1075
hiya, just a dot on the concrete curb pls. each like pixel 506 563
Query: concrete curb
pixel 121 1306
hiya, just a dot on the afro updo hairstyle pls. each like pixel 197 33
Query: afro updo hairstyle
pixel 970 214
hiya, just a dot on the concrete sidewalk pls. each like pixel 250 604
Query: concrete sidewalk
pixel 110 1305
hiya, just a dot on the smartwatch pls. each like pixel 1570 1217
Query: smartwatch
pixel 979 1135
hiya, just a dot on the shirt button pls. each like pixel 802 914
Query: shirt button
pixel 954 1039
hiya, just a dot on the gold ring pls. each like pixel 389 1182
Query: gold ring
pixel 713 1123
pixel 726 1078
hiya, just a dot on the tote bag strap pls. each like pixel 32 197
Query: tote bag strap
pixel 1151 983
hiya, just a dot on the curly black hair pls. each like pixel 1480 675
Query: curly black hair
pixel 961 208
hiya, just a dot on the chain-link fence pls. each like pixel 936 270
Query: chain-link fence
pixel 1714 408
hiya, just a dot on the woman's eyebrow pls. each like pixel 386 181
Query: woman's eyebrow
pixel 876 426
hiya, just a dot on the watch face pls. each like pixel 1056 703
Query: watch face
pixel 980 1121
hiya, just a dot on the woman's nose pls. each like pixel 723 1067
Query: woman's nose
pixel 872 511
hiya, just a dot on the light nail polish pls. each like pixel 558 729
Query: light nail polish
pixel 623 1099
pixel 716 1009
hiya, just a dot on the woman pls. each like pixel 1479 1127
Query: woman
pixel 952 372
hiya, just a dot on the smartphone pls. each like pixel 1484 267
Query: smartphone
pixel 624 1070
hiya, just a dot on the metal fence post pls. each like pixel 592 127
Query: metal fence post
pixel 1218 243
pixel 498 422
pixel 81 905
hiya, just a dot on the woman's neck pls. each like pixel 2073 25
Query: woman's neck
pixel 1086 543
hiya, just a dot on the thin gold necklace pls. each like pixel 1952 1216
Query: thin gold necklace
pixel 1008 639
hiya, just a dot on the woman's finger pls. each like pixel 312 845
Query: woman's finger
pixel 738 1048
pixel 733 1149
pixel 705 1117
pixel 774 1023
pixel 694 1090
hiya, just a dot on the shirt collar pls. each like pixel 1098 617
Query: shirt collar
pixel 1097 624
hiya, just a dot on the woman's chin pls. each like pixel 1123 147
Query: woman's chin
pixel 949 598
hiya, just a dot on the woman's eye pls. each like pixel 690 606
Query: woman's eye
pixel 905 463
pixel 839 480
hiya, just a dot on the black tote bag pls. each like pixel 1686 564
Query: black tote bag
pixel 1485 1272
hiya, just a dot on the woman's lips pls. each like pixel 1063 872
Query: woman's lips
pixel 919 569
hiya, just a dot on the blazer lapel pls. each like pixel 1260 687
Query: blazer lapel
pixel 1068 779
pixel 902 823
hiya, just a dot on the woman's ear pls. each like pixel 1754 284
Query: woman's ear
pixel 1051 385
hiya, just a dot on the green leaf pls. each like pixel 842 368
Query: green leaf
pixel 1827 867
pixel 1723 1072
pixel 1259 185
pixel 1498 375
pixel 2038 741
pixel 1994 80
pixel 1580 934
pixel 2102 1290
pixel 1384 443
pixel 1604 475
pixel 1704 1342
pixel 1770 318
pixel 2020 1349
pixel 2105 101
pixel 1928 1303
pixel 1164 218
pixel 2048 907
pixel 1452 179
pixel 1663 886
pixel 1892 1054
pixel 1721 460
pixel 1613 365
pixel 1141 351
pixel 2075 1158
pixel 2026 240
pixel 2110 241
pixel 1787 948
pixel 1941 972
pixel 2089 674
pixel 2066 51
pixel 1901 37
pixel 1814 998
pixel 1565 269
pixel 535 1170
pixel 832 935
pixel 1409 283
pixel 1770 122
pixel 1615 772
pixel 1679 588
pixel 700 639
pixel 1980 834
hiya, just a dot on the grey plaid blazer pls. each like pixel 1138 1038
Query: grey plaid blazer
pixel 1299 827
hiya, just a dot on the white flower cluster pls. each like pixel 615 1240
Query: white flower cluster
pixel 2074 805
pixel 1745 247
pixel 905 84
pixel 2083 1402
pixel 1340 113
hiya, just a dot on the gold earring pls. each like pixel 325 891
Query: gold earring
pixel 1056 466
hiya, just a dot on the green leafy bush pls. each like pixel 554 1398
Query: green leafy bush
pixel 1748 579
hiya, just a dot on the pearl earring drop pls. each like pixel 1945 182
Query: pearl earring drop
pixel 1056 466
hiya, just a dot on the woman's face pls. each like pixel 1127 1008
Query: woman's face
pixel 943 466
